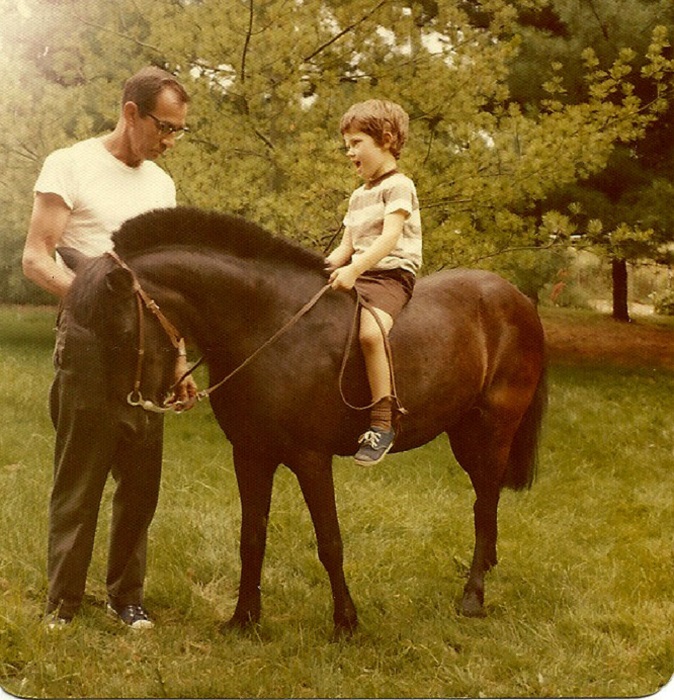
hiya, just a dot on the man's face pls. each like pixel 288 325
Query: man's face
pixel 158 131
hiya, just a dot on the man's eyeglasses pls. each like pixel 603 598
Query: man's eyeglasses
pixel 166 129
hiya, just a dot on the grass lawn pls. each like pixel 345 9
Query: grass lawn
pixel 580 605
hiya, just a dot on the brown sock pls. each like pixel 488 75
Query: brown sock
pixel 381 415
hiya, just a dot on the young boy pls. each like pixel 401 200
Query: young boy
pixel 380 250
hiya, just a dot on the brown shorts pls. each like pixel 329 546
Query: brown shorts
pixel 388 290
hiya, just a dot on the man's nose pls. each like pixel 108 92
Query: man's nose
pixel 169 140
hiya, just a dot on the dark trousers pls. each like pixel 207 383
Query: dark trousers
pixel 97 435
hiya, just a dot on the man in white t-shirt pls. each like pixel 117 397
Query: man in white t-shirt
pixel 82 195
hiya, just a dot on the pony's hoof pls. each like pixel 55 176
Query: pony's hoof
pixel 240 624
pixel 471 606
pixel 343 632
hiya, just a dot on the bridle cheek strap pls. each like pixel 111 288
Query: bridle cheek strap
pixel 135 397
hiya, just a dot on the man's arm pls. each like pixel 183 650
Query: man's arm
pixel 47 226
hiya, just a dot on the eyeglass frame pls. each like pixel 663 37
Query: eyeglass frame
pixel 167 129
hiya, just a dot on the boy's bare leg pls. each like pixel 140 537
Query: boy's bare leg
pixel 374 349
pixel 378 370
pixel 377 441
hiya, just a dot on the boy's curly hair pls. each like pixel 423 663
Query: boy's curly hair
pixel 376 118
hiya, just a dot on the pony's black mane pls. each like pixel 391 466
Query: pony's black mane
pixel 189 226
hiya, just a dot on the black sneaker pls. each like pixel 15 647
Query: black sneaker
pixel 374 445
pixel 134 616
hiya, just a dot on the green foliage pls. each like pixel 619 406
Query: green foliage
pixel 531 270
pixel 622 209
pixel 663 302
pixel 270 80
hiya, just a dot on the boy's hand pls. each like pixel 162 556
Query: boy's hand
pixel 343 278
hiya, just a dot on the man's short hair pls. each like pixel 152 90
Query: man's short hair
pixel 376 118
pixel 144 87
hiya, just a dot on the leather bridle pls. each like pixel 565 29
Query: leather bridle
pixel 135 397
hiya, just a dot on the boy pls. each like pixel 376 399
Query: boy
pixel 380 250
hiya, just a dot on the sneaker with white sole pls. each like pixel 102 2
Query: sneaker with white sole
pixel 374 446
pixel 133 616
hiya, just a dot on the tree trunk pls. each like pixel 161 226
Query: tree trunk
pixel 619 274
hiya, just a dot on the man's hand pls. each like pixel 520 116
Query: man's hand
pixel 185 394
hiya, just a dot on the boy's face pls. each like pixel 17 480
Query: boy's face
pixel 371 159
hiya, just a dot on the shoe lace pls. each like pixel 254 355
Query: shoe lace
pixel 138 612
pixel 369 438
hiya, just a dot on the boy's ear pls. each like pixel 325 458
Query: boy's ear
pixel 387 140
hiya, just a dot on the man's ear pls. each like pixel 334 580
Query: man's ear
pixel 120 281
pixel 130 112
pixel 74 259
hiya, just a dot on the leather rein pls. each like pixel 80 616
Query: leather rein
pixel 135 398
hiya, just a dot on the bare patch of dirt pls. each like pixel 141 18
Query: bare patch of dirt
pixel 575 337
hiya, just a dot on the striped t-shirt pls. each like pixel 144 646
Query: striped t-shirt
pixel 365 220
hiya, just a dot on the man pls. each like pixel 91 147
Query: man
pixel 82 195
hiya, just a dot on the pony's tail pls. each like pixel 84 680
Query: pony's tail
pixel 523 460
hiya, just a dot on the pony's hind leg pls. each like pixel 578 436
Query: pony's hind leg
pixel 481 445
pixel 314 473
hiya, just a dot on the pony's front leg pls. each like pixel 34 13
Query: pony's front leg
pixel 314 473
pixel 255 477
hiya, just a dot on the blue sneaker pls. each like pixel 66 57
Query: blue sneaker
pixel 374 446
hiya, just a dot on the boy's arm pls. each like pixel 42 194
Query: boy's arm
pixel 342 253
pixel 345 277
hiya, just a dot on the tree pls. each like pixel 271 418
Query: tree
pixel 270 79
pixel 622 211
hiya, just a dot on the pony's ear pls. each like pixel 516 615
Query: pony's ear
pixel 120 281
pixel 73 258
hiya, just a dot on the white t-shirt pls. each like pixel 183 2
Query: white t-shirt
pixel 102 192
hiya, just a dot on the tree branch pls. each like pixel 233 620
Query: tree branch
pixel 246 42
pixel 121 35
pixel 344 31
pixel 503 251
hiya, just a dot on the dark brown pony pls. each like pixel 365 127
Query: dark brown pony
pixel 468 356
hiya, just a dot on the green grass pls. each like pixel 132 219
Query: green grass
pixel 581 603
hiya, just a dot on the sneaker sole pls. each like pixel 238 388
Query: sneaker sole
pixel 57 624
pixel 374 462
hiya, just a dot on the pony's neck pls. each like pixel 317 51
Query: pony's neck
pixel 216 295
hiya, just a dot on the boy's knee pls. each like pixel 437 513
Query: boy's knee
pixel 370 335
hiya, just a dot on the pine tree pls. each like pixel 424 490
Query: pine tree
pixel 270 80
pixel 622 210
